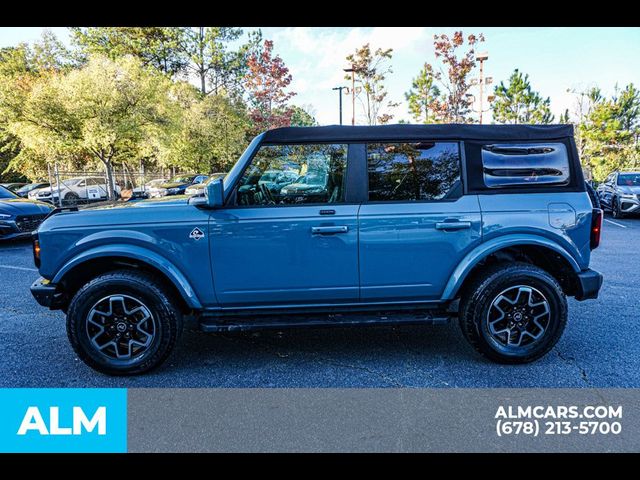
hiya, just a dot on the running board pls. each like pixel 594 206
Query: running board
pixel 215 323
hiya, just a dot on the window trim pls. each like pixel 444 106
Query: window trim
pixel 232 196
pixel 461 165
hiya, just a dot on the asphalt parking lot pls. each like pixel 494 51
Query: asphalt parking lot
pixel 600 347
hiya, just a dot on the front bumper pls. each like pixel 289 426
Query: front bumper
pixel 9 231
pixel 47 294
pixel 630 204
pixel 589 283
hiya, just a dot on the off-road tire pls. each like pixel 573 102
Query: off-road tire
pixel 485 287
pixel 136 285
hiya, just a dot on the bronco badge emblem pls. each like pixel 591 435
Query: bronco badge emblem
pixel 196 234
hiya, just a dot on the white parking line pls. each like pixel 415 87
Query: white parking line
pixel 10 267
pixel 615 223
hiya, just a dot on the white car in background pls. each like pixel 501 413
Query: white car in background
pixel 198 188
pixel 76 190
pixel 144 191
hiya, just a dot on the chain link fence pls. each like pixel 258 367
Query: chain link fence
pixel 72 188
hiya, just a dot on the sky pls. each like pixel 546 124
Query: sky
pixel 557 59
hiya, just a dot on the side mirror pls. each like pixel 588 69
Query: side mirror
pixel 215 193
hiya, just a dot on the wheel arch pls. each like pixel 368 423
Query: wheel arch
pixel 91 263
pixel 532 249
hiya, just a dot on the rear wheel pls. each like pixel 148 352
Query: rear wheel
pixel 71 199
pixel 513 313
pixel 123 323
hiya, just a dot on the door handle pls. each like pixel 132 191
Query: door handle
pixel 452 225
pixel 332 230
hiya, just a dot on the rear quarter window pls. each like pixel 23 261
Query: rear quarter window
pixel 525 164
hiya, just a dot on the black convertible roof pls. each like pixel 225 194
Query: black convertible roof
pixel 339 133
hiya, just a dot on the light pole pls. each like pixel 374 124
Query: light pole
pixel 353 92
pixel 340 100
pixel 481 57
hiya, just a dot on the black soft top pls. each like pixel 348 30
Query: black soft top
pixel 340 133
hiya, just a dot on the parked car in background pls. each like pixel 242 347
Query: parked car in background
pixel 177 185
pixel 276 180
pixel 18 216
pixel 12 187
pixel 30 187
pixel 198 189
pixel 143 190
pixel 392 224
pixel 76 190
pixel 620 193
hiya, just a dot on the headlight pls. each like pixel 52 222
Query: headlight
pixel 628 195
pixel 173 190
pixel 4 216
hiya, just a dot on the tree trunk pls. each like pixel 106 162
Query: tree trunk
pixel 110 180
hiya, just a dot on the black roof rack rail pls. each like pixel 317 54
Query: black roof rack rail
pixel 57 210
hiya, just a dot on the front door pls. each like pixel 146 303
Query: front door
pixel 288 236
pixel 417 225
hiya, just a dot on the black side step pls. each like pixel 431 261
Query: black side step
pixel 214 323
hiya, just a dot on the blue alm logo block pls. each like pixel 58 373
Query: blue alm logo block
pixel 53 420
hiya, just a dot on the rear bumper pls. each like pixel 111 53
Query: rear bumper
pixel 47 294
pixel 589 283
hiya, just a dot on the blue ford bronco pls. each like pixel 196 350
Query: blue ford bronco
pixel 338 225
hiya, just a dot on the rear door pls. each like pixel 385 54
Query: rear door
pixel 289 242
pixel 417 224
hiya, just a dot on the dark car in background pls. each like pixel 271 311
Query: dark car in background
pixel 23 191
pixel 177 185
pixel 620 193
pixel 18 216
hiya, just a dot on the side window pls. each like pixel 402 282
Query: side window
pixel 294 174
pixel 508 165
pixel 414 171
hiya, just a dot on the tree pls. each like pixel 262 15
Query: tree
pixel 158 47
pixel 217 67
pixel 564 118
pixel 422 95
pixel 266 82
pixel 301 117
pixel 208 133
pixel 370 70
pixel 107 110
pixel 20 69
pixel 452 76
pixel 609 132
pixel 517 102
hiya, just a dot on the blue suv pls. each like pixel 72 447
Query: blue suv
pixel 394 224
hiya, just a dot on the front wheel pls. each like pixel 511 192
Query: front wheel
pixel 123 323
pixel 513 313
pixel 615 209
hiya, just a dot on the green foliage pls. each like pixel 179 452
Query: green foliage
pixel 208 133
pixel 301 117
pixel 107 111
pixel 517 102
pixel 610 131
pixel 421 96
pixel 158 47
pixel 371 69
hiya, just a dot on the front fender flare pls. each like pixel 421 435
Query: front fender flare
pixel 139 254
pixel 482 251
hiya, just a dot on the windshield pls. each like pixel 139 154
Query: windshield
pixel 314 179
pixel 4 193
pixel 181 179
pixel 629 179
